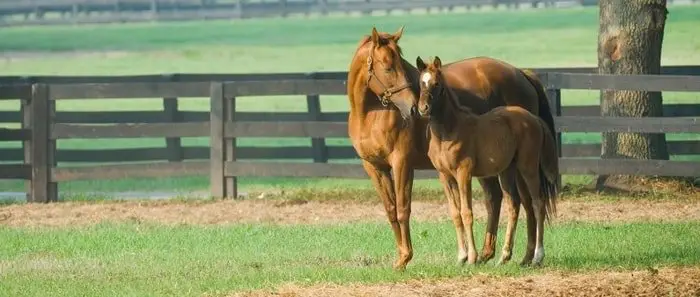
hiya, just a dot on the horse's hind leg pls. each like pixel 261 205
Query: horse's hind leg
pixel 532 179
pixel 493 197
pixel 526 200
pixel 509 187
pixel 453 202
pixel 382 182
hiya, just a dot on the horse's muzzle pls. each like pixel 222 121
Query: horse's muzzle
pixel 424 110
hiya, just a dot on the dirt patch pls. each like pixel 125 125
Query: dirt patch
pixel 313 212
pixel 663 282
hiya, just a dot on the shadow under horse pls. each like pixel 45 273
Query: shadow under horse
pixel 390 138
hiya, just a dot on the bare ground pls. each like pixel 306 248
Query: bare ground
pixel 663 282
pixel 314 212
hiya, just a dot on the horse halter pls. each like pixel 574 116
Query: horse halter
pixel 388 92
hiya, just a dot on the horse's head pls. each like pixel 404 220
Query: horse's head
pixel 431 84
pixel 386 76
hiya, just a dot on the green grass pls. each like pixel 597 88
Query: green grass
pixel 533 38
pixel 154 260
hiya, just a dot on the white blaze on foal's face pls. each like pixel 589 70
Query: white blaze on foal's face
pixel 425 78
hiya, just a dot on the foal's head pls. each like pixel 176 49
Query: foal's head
pixel 386 76
pixel 431 85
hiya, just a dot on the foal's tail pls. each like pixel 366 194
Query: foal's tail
pixel 549 171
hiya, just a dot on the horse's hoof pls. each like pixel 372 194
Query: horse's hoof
pixel 484 260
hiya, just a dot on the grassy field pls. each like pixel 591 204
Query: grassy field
pixel 533 38
pixel 138 259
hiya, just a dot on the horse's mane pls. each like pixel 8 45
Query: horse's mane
pixel 368 38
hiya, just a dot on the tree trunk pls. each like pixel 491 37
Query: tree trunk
pixel 629 42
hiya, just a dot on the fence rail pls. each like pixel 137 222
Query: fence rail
pixel 41 126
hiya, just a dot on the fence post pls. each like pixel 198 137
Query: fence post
pixel 172 115
pixel 231 182
pixel 173 144
pixel 554 96
pixel 39 148
pixel 51 153
pixel 318 145
pixel 216 141
pixel 26 111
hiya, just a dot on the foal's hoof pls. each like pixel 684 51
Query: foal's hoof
pixel 399 266
pixel 503 260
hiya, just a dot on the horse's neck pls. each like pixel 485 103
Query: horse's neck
pixel 449 114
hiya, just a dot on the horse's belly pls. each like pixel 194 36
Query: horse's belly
pixel 493 162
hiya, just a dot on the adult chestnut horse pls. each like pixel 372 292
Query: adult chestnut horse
pixel 383 92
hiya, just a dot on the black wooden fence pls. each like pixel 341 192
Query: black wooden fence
pixel 223 160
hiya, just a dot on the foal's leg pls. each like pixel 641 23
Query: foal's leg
pixel 493 197
pixel 385 188
pixel 526 200
pixel 453 202
pixel 464 181
pixel 509 187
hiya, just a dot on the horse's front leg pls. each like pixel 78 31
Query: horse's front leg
pixel 402 173
pixel 453 203
pixel 493 198
pixel 382 182
pixel 464 181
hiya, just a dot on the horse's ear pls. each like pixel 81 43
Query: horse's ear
pixel 437 62
pixel 420 64
pixel 375 36
pixel 398 34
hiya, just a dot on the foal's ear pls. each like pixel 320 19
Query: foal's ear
pixel 375 36
pixel 420 64
pixel 437 62
pixel 398 34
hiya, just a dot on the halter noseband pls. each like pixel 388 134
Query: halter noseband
pixel 388 92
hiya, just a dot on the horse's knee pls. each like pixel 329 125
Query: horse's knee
pixel 403 216
pixel 393 219
pixel 467 217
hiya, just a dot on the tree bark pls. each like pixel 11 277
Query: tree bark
pixel 629 42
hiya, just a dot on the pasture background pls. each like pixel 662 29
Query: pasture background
pixel 216 248
pixel 529 38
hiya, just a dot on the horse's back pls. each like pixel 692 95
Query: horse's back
pixel 491 81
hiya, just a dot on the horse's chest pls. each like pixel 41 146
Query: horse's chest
pixel 378 142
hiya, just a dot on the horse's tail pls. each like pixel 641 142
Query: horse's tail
pixel 545 113
pixel 549 171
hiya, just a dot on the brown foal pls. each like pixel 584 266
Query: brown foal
pixel 508 142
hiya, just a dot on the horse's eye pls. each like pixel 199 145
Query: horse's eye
pixel 388 70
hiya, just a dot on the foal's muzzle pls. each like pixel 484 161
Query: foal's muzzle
pixel 424 110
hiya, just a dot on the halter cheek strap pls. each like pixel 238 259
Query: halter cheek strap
pixel 388 92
